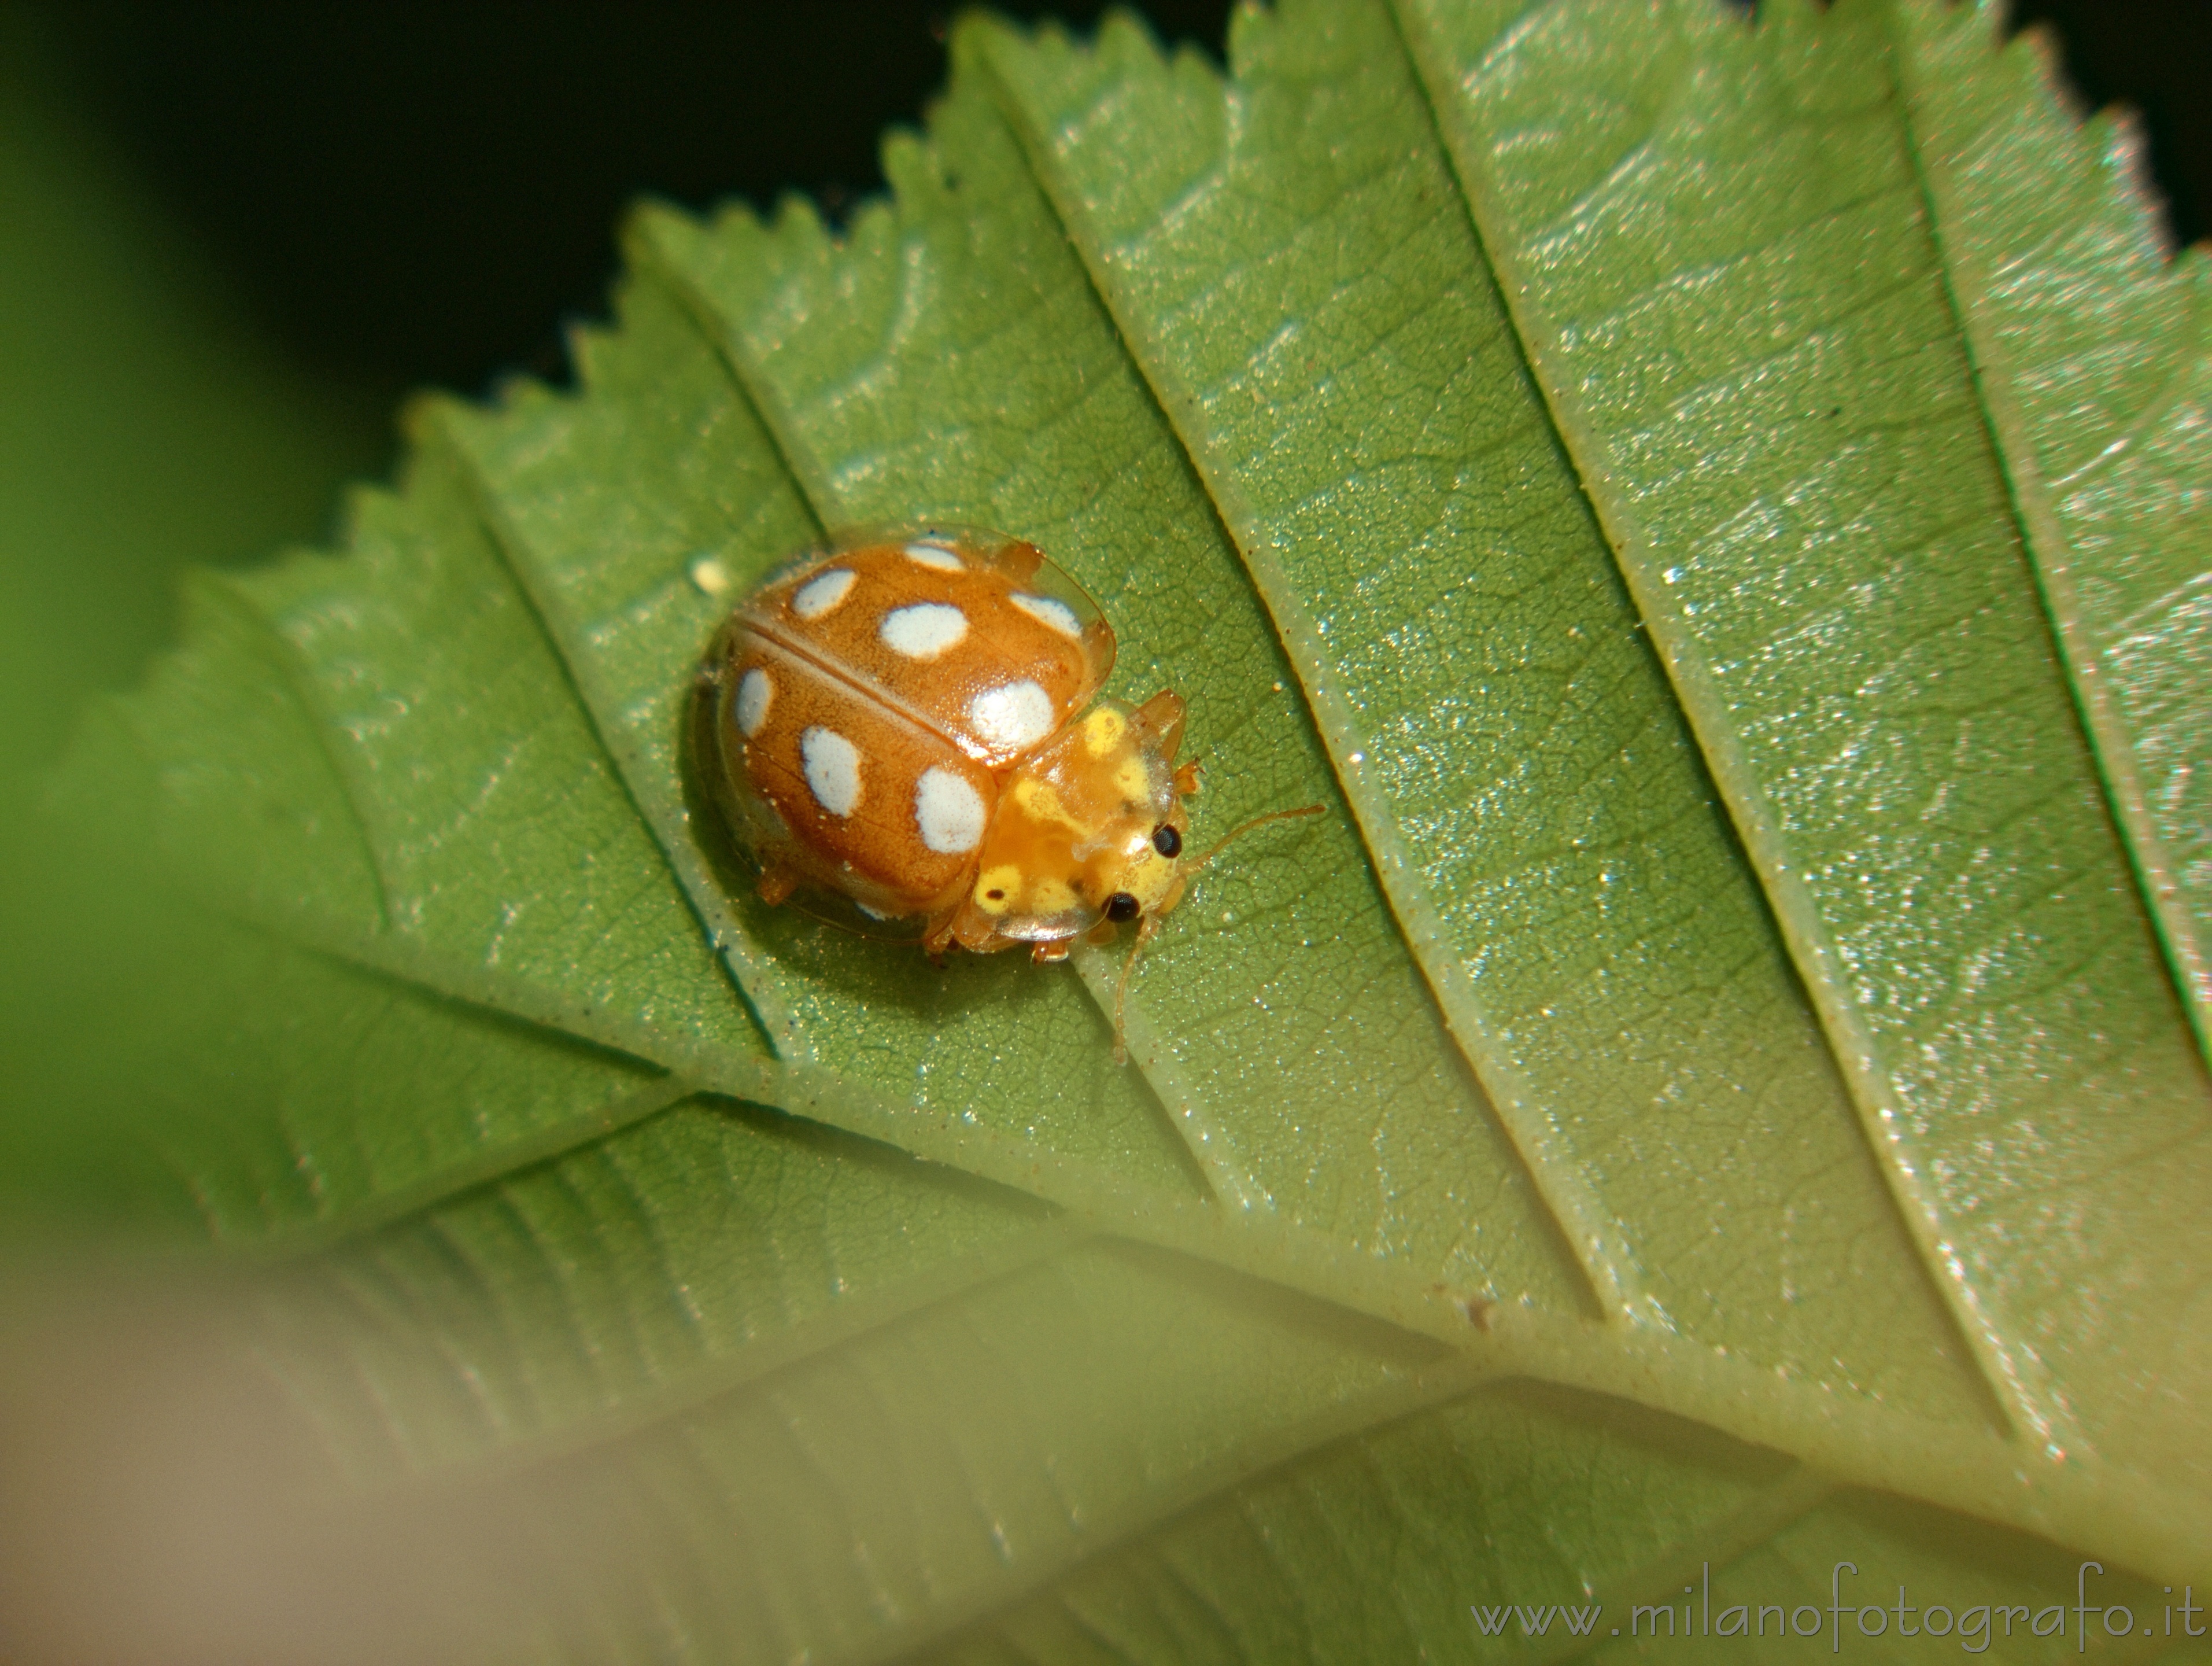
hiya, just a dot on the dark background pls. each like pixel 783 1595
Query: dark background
pixel 410 192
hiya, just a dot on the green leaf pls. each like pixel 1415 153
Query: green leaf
pixel 2088 355
pixel 1706 1103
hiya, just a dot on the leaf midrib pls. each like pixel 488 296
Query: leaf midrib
pixel 2095 1506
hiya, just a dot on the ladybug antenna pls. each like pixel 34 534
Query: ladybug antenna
pixel 1243 828
pixel 1151 922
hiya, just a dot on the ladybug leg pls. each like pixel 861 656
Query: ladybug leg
pixel 1048 954
pixel 1161 717
pixel 1102 933
pixel 975 930
pixel 1185 779
pixel 937 937
pixel 776 884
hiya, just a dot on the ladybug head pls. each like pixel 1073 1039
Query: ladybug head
pixel 1090 835
pixel 1089 832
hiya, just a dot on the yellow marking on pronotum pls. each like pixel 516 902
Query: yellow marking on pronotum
pixel 1041 802
pixel 1103 731
pixel 998 888
pixel 1051 896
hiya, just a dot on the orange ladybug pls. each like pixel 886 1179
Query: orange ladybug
pixel 907 720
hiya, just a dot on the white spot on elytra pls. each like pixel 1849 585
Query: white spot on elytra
pixel 833 769
pixel 822 593
pixel 754 692
pixel 1013 714
pixel 936 556
pixel 949 811
pixel 922 630
pixel 1048 610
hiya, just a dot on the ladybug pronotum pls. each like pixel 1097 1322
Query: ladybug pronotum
pixel 907 720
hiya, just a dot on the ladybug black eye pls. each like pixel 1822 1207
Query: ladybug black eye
pixel 1167 840
pixel 1120 906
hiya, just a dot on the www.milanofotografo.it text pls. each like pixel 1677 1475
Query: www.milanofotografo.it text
pixel 1848 1616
